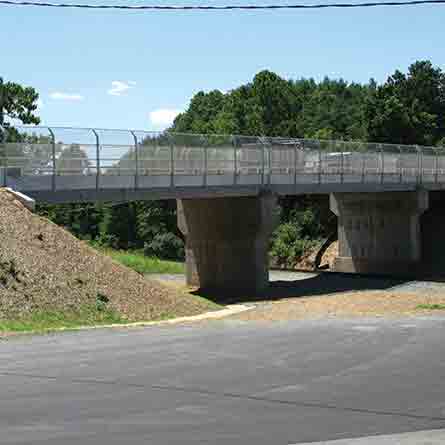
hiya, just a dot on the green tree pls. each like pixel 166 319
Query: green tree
pixel 273 106
pixel 18 102
pixel 118 226
pixel 201 113
pixel 83 220
pixel 409 108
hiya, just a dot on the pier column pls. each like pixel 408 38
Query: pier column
pixel 227 242
pixel 379 232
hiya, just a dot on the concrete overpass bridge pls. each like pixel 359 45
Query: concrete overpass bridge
pixel 226 189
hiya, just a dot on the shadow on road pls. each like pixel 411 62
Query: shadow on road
pixel 320 284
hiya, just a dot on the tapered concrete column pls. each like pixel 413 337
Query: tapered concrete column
pixel 227 242
pixel 379 232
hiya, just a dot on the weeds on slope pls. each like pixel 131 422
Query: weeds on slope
pixel 136 260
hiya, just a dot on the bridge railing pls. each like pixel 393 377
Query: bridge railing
pixel 50 158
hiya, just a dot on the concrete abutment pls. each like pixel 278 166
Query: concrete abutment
pixel 379 233
pixel 227 242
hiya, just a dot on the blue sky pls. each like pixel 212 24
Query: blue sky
pixel 137 69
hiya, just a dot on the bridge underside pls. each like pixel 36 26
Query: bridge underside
pixel 379 233
pixel 381 227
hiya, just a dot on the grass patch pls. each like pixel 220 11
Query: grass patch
pixel 43 321
pixel 136 260
pixel 46 321
pixel 432 307
pixel 93 315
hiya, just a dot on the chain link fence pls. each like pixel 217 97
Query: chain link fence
pixel 50 158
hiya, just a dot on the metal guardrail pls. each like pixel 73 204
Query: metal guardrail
pixel 50 158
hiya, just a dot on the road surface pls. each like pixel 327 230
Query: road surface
pixel 224 382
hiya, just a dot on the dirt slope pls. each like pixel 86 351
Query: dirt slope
pixel 307 261
pixel 42 266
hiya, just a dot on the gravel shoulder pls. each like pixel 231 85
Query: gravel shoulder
pixel 315 296
pixel 301 295
pixel 346 305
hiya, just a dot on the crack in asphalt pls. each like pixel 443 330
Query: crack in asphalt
pixel 238 396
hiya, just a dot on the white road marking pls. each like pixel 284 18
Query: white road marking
pixel 365 328
pixel 429 437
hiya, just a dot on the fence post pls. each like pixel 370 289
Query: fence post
pixel 53 156
pixel 400 165
pixel 172 161
pixel 363 165
pixel 342 163
pixel 136 159
pixel 382 163
pixel 263 161
pixel 235 161
pixel 436 166
pixel 420 167
pixel 204 176
pixel 295 163
pixel 97 158
pixel 4 169
pixel 319 163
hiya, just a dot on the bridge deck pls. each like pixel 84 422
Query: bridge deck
pixel 121 190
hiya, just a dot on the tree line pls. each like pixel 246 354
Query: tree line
pixel 409 108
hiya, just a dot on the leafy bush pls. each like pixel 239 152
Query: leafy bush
pixel 307 223
pixel 288 245
pixel 107 240
pixel 165 246
pixel 301 230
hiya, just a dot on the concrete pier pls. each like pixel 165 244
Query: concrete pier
pixel 379 232
pixel 227 242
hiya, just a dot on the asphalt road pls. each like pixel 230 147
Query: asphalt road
pixel 224 382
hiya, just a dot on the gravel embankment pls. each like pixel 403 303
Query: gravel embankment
pixel 44 267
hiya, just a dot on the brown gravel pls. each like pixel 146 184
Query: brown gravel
pixel 330 255
pixel 307 261
pixel 346 305
pixel 42 266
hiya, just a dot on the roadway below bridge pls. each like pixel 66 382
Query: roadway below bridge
pixel 227 381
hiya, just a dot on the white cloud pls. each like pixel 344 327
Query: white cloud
pixel 118 87
pixel 57 95
pixel 163 117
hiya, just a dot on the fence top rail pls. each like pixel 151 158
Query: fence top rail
pixel 206 139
